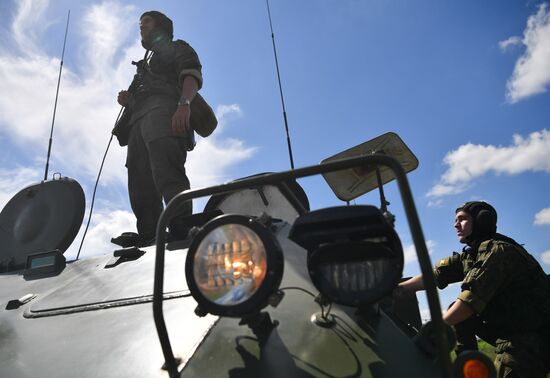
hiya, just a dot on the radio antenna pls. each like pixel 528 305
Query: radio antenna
pixel 280 87
pixel 56 95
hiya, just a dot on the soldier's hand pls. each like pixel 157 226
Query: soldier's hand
pixel 398 292
pixel 123 98
pixel 180 120
pixel 401 291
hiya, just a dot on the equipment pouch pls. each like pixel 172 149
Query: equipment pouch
pixel 203 120
pixel 122 127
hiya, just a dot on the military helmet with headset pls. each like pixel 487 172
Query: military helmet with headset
pixel 484 218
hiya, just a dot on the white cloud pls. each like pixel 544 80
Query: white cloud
pixel 209 152
pixel 106 28
pixel 105 225
pixel 86 106
pixel 545 256
pixel 410 251
pixel 87 98
pixel 440 190
pixel 29 24
pixel 471 161
pixel 14 180
pixel 437 203
pixel 512 41
pixel 532 71
pixel 543 217
pixel 222 111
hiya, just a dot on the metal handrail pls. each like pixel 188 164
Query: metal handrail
pixel 441 342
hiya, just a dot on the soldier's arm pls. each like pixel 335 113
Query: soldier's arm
pixel 180 120
pixel 446 271
pixel 449 270
pixel 190 87
pixel 410 286
pixel 458 312
pixel 187 64
pixel 189 69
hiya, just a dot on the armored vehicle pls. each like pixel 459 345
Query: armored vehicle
pixel 263 286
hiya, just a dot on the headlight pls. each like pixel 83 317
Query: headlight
pixel 354 255
pixel 233 266
pixel 355 272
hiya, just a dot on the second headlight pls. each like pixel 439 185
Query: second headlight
pixel 354 256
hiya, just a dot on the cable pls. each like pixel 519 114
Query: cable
pixel 310 293
pixel 145 59
pixel 297 288
pixel 323 315
pixel 95 187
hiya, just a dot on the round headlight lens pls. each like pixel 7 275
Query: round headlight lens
pixel 230 264
pixel 233 267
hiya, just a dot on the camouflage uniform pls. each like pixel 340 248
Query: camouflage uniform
pixel 156 157
pixel 510 294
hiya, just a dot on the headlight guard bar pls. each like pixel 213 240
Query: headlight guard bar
pixel 443 352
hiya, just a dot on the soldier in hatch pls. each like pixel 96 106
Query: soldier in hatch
pixel 505 298
pixel 167 80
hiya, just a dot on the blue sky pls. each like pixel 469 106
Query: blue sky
pixel 465 84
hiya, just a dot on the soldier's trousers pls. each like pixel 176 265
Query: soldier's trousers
pixel 156 172
pixel 522 355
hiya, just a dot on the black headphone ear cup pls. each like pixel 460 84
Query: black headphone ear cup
pixel 486 216
pixel 485 222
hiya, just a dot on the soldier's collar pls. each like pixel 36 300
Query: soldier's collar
pixel 483 246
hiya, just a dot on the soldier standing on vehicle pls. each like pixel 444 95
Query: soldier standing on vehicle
pixel 166 82
pixel 505 297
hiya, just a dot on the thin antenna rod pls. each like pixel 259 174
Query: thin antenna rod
pixel 280 87
pixel 56 95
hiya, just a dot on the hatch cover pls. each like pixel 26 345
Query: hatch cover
pixel 42 217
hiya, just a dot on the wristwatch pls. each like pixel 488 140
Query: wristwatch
pixel 184 101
